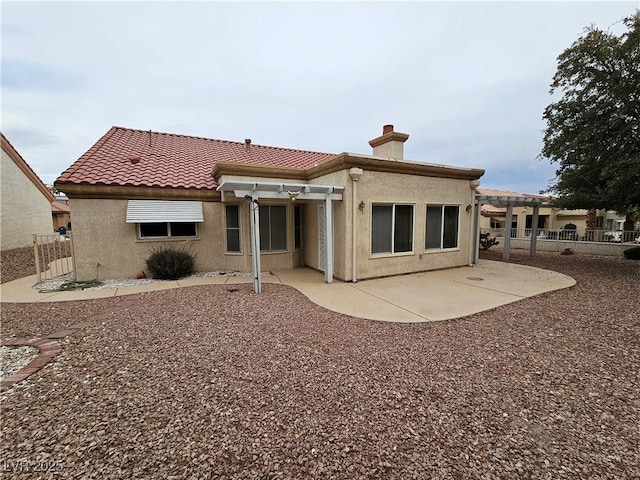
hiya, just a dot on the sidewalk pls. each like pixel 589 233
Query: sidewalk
pixel 418 297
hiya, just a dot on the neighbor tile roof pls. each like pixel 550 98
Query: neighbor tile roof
pixel 506 193
pixel 488 210
pixel 59 207
pixel 127 157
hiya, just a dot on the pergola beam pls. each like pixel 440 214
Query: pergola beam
pixel 508 201
pixel 287 196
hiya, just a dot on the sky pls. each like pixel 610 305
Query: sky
pixel 468 81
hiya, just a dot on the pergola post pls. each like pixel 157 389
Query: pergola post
pixel 506 251
pixel 534 230
pixel 255 243
pixel 328 239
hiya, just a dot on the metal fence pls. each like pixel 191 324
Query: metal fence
pixel 597 242
pixel 53 255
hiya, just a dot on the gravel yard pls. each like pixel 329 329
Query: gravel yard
pixel 17 263
pixel 217 382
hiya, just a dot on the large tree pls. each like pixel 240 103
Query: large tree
pixel 593 130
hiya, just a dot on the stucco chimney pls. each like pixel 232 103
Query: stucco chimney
pixel 390 144
pixel 247 144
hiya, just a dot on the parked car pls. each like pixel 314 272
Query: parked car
pixel 613 236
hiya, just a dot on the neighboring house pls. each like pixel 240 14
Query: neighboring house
pixel 61 215
pixel 550 218
pixel 25 203
pixel 350 215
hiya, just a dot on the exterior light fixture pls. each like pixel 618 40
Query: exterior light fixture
pixel 361 206
pixel 293 195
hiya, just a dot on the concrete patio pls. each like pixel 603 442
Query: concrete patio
pixel 419 297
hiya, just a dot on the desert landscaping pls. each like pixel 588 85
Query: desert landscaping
pixel 213 382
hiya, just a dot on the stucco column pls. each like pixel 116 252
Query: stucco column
pixel 534 230
pixel 474 243
pixel 476 231
pixel 506 252
pixel 355 174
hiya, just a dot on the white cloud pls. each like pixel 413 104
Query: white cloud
pixel 467 81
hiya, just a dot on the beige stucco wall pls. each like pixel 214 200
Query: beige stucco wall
pixel 102 237
pixel 378 187
pixel 375 187
pixel 24 208
pixel 108 247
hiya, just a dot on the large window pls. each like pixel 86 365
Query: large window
pixel 442 226
pixel 232 213
pixel 168 229
pixel 273 228
pixel 391 228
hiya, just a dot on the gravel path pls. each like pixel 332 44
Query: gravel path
pixel 206 382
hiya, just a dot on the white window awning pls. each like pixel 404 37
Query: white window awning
pixel 156 211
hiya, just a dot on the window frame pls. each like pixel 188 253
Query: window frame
pixel 441 248
pixel 393 206
pixel 263 249
pixel 168 230
pixel 227 229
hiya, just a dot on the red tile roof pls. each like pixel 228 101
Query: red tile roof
pixel 127 157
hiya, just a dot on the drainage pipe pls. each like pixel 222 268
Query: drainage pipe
pixel 355 174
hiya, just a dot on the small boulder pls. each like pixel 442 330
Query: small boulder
pixel 567 251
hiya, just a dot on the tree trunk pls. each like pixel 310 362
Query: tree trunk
pixel 629 222
pixel 591 224
pixel 628 234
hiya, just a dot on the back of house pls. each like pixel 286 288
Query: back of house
pixel 352 216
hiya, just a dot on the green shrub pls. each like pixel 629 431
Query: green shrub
pixel 486 243
pixel 632 253
pixel 170 263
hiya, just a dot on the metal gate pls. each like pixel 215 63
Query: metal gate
pixel 53 255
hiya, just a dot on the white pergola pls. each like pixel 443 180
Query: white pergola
pixel 254 191
pixel 509 202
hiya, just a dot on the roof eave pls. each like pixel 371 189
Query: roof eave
pixel 348 160
pixel 89 190
pixel 252 170
pixel 345 161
